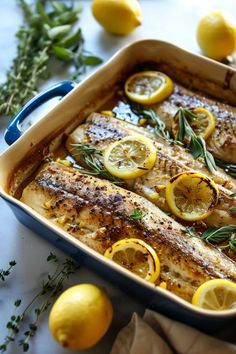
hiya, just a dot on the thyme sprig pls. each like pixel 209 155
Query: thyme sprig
pixel 6 272
pixel 137 214
pixel 221 234
pixel 49 290
pixel 196 145
pixel 90 157
pixel 48 32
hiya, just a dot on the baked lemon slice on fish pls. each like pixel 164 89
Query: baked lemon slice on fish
pixel 148 87
pixel 136 256
pixel 200 119
pixel 191 196
pixel 130 157
pixel 216 294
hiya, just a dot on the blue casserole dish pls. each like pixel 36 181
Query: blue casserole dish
pixel 27 150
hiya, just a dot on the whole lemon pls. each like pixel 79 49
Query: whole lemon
pixel 117 16
pixel 80 316
pixel 216 35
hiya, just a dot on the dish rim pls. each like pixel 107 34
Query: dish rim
pixel 71 239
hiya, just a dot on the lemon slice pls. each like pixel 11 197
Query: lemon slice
pixel 136 256
pixel 130 157
pixel 203 125
pixel 216 294
pixel 191 196
pixel 148 87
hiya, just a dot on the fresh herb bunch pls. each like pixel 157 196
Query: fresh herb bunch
pixel 45 34
pixel 90 157
pixel 197 145
pixel 51 287
pixel 5 272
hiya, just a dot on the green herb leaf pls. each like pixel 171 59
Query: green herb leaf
pixel 50 288
pixel 72 39
pixel 233 210
pixel 6 272
pixel 47 32
pixel 190 231
pixel 17 303
pixel 228 167
pixel 91 60
pixel 197 145
pixel 137 214
pixel 218 234
pixel 90 157
pixel 233 195
pixel 152 117
pixel 59 32
pixel 232 245
pixel 62 53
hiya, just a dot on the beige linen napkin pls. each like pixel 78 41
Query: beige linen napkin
pixel 156 334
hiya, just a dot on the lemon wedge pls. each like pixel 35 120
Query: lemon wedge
pixel 216 294
pixel 216 35
pixel 130 157
pixel 136 256
pixel 148 87
pixel 191 196
pixel 117 16
pixel 80 316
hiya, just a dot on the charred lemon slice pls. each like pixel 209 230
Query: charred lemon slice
pixel 148 87
pixel 130 157
pixel 191 196
pixel 216 294
pixel 136 256
pixel 201 121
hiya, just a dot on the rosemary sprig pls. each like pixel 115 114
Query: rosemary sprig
pixel 90 157
pixel 47 33
pixel 6 272
pixel 221 234
pixel 197 145
pixel 137 214
pixel 50 288
pixel 153 118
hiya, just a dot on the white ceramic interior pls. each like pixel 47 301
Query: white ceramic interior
pixel 91 94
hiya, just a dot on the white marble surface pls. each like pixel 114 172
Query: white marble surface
pixel 171 20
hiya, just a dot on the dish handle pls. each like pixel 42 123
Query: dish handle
pixel 13 130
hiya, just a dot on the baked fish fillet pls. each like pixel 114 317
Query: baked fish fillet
pixel 100 131
pixel 222 143
pixel 97 212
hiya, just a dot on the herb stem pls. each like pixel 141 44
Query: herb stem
pixel 90 156
pixel 51 288
pixel 196 144
pixel 5 273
